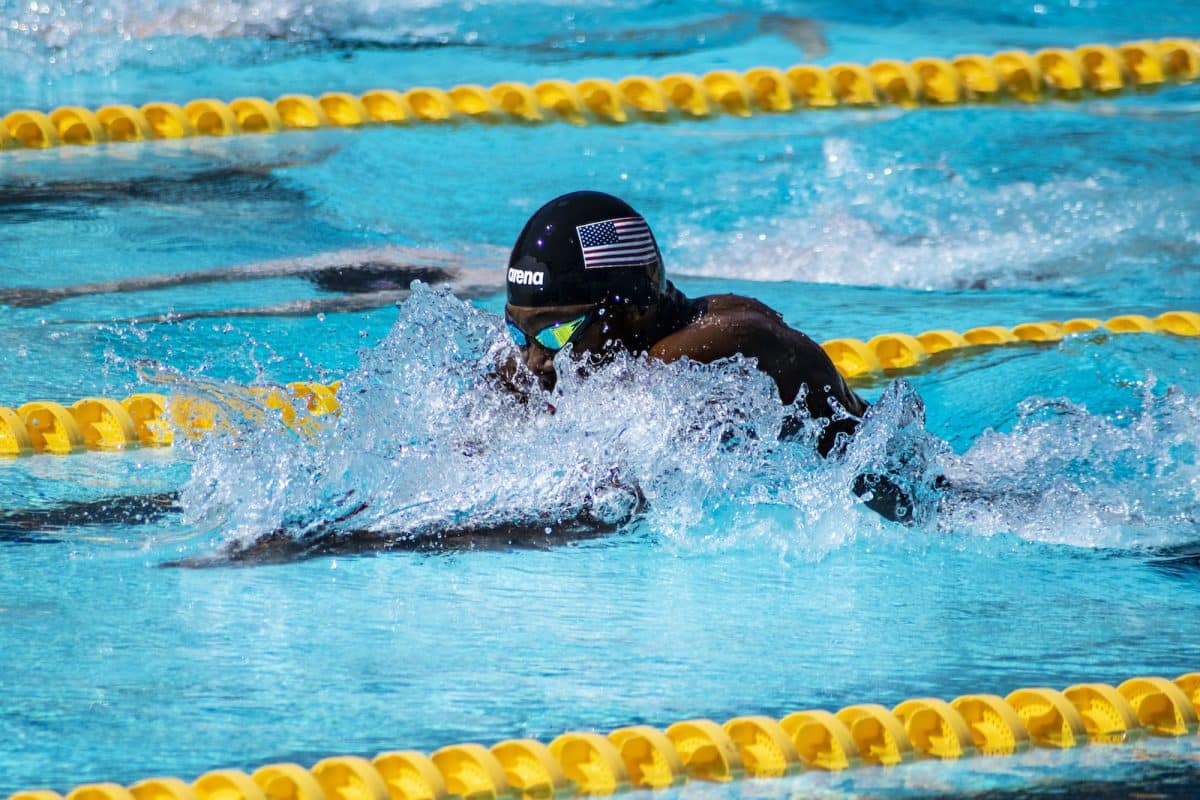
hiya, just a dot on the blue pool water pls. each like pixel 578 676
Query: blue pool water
pixel 755 583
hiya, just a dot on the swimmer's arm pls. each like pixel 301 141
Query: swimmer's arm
pixel 787 355
pixel 791 359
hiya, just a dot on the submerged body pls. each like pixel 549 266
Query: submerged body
pixel 335 537
pixel 362 279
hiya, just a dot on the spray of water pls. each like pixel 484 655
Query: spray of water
pixel 1064 475
pixel 871 217
pixel 80 37
pixel 427 445
pixel 426 441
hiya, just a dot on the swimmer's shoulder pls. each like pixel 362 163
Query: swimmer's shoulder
pixel 727 325
pixel 728 308
pixel 722 325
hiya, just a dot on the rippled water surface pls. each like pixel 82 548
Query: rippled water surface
pixel 738 574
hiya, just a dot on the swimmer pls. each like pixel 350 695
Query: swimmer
pixel 365 278
pixel 586 271
pixel 358 279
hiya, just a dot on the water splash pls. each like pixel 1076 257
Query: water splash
pixel 884 219
pixel 1066 476
pixel 75 37
pixel 426 445
pixel 425 440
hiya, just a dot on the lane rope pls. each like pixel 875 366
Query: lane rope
pixel 1012 75
pixel 898 351
pixel 582 763
pixel 152 420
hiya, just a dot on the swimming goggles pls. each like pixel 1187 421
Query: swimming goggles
pixel 553 337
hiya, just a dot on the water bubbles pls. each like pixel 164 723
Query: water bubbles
pixel 429 446
pixel 1068 476
pixel 427 442
pixel 879 218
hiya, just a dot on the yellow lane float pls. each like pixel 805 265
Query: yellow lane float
pixel 1013 75
pixel 585 763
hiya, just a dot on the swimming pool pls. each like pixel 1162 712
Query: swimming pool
pixel 754 584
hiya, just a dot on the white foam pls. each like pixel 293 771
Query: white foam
pixel 68 37
pixel 877 220
pixel 1066 476
pixel 426 442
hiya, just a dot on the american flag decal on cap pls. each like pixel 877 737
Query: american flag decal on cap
pixel 624 242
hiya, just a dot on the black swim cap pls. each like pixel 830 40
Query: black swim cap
pixel 585 247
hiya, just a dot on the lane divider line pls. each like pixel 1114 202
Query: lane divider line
pixel 1054 73
pixel 582 763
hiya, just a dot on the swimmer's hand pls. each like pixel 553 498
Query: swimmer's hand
pixel 889 499
pixel 513 377
pixel 614 503
pixel 885 497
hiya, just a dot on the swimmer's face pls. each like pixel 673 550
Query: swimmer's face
pixel 541 332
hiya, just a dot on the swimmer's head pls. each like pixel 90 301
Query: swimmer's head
pixel 585 272
pixel 585 248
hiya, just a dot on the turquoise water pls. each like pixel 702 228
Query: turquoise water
pixel 755 582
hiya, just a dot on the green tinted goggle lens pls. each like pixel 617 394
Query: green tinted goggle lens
pixel 552 337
